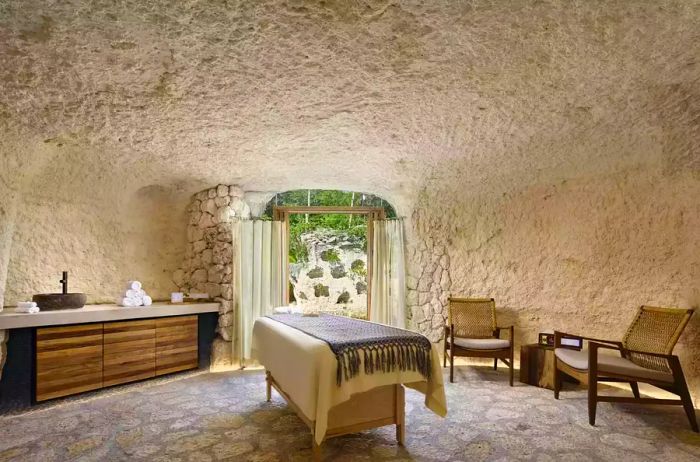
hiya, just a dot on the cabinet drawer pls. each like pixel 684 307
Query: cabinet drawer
pixel 68 360
pixel 77 358
pixel 176 344
pixel 129 351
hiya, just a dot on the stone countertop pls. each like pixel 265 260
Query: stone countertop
pixel 9 319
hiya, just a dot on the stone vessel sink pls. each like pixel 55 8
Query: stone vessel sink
pixel 48 302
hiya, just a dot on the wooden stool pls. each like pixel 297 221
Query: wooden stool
pixel 537 365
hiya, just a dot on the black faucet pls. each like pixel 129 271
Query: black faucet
pixel 64 282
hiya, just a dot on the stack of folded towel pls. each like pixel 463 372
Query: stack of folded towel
pixel 27 307
pixel 134 295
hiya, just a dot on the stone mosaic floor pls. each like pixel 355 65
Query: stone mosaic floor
pixel 210 417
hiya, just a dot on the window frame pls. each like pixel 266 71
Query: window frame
pixel 282 213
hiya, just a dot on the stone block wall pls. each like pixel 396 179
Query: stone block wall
pixel 208 264
pixel 334 277
pixel 428 283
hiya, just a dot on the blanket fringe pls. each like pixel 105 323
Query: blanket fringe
pixel 384 358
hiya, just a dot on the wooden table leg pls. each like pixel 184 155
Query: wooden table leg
pixel 315 449
pixel 268 381
pixel 400 403
pixel 400 434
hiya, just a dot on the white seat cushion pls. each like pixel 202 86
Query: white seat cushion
pixel 482 343
pixel 612 364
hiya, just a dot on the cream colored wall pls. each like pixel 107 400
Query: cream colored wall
pixel 580 256
pixel 101 244
pixel 103 228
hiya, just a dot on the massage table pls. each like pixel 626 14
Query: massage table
pixel 302 369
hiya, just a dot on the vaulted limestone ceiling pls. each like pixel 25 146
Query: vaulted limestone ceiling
pixel 391 97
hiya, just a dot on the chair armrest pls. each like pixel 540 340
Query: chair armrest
pixel 559 335
pixel 597 345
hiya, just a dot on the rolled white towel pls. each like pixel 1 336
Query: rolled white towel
pixel 134 293
pixel 126 301
pixel 147 301
pixel 30 309
pixel 26 305
pixel 282 310
pixel 133 285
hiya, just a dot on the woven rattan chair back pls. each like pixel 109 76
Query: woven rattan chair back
pixel 472 317
pixel 655 330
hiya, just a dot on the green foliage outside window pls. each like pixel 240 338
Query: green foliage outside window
pixel 330 255
pixel 322 197
pixel 358 267
pixel 299 223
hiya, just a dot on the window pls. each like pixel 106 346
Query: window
pixel 329 248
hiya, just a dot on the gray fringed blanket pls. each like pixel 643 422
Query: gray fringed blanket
pixel 385 348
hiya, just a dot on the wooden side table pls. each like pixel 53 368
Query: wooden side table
pixel 537 365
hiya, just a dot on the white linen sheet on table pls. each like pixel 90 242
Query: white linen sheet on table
pixel 305 368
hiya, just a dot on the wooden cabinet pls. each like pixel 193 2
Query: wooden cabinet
pixel 68 360
pixel 129 351
pixel 176 344
pixel 78 358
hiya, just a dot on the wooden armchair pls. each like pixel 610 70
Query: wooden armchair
pixel 645 356
pixel 472 332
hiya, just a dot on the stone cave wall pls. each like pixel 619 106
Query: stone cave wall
pixel 8 212
pixel 55 216
pixel 102 241
pixel 579 256
pixel 208 263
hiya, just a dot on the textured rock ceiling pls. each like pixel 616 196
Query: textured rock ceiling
pixel 388 97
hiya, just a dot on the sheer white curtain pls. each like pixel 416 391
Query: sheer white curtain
pixel 259 270
pixel 388 274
